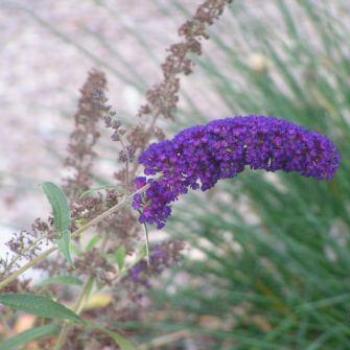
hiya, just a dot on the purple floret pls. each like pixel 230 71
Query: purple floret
pixel 199 156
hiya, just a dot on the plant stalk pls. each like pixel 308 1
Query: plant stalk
pixel 75 234
pixel 84 295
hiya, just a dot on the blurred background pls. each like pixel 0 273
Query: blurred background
pixel 268 254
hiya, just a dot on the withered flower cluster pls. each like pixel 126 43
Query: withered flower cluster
pixel 92 108
pixel 162 98
pixel 121 229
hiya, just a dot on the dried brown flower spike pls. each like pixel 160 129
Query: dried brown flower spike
pixel 92 108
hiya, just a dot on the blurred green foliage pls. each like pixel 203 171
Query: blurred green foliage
pixel 273 262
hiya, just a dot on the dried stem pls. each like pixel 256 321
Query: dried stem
pixel 32 246
pixel 75 234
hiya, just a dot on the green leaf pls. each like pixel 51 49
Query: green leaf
pixel 120 255
pixel 92 243
pixel 142 253
pixel 62 217
pixel 121 341
pixel 26 337
pixel 65 280
pixel 38 305
pixel 64 245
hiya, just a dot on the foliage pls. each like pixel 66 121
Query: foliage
pixel 274 250
pixel 268 254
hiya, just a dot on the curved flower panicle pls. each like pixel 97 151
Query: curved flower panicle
pixel 199 156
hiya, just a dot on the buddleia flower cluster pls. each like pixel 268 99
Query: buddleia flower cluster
pixel 198 157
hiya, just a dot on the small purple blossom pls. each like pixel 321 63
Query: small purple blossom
pixel 199 156
pixel 162 256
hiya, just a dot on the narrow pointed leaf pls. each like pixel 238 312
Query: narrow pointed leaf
pixel 123 343
pixel 64 280
pixel 92 243
pixel 120 255
pixel 21 339
pixel 120 340
pixel 62 217
pixel 38 305
pixel 64 245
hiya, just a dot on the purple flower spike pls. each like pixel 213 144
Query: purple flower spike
pixel 199 156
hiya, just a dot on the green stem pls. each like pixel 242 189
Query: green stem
pixel 147 243
pixel 83 298
pixel 75 234
pixel 78 307
pixel 26 267
pixel 126 270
